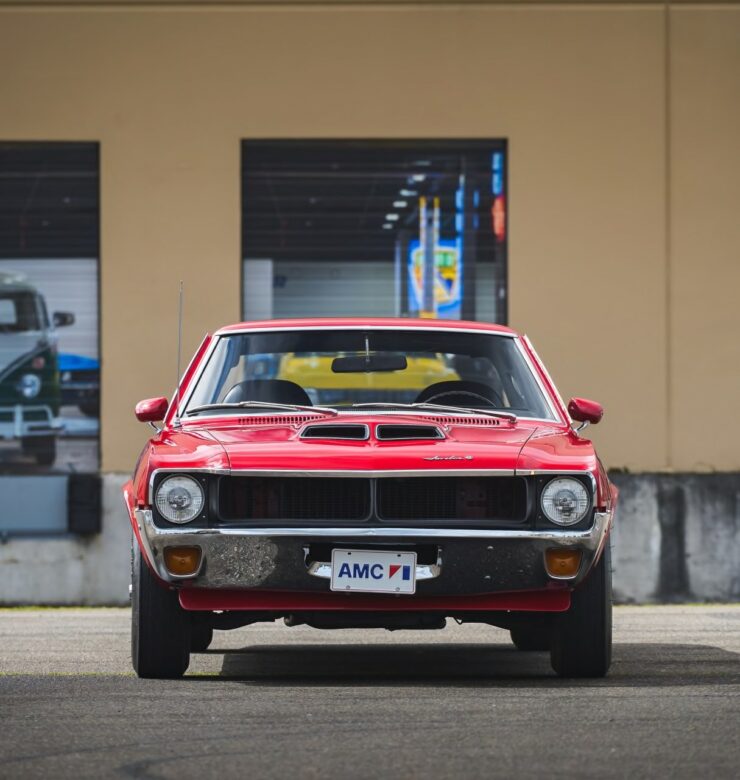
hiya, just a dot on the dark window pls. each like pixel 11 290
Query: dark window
pixel 49 341
pixel 376 228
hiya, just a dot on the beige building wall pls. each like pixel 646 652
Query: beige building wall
pixel 704 281
pixel 621 266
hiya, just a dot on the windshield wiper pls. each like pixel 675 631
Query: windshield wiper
pixel 263 405
pixel 440 408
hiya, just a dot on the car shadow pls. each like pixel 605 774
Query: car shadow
pixel 648 664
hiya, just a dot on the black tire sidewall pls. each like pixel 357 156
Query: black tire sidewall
pixel 582 636
pixel 160 628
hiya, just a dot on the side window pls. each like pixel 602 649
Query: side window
pixel 8 316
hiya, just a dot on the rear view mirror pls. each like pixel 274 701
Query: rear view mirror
pixel 585 411
pixel 151 409
pixel 361 364
pixel 63 318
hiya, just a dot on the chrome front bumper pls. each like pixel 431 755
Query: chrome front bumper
pixel 469 561
pixel 20 428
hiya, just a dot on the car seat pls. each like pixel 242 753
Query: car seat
pixel 276 391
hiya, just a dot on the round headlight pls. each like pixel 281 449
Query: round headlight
pixel 179 499
pixel 29 386
pixel 565 501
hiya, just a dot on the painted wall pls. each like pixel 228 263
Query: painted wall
pixel 622 269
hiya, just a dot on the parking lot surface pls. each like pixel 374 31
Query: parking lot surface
pixel 276 702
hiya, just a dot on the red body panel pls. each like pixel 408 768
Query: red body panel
pixel 230 443
pixel 552 600
pixel 364 322
pixel 280 447
pixel 557 448
pixel 176 449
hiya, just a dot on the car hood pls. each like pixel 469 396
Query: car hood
pixel 281 448
pixel 18 347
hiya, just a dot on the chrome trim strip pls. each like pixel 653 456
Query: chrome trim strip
pixel 559 472
pixel 195 470
pixel 423 571
pixel 375 473
pixel 590 538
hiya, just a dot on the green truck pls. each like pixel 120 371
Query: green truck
pixel 30 393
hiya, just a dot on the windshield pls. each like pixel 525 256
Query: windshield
pixel 345 369
pixel 18 312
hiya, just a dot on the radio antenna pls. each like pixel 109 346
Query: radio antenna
pixel 179 351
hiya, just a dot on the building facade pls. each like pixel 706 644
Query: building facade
pixel 618 125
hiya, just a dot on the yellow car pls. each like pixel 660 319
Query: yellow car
pixel 312 371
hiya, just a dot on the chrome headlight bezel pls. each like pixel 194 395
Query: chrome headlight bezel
pixel 180 499
pixel 565 501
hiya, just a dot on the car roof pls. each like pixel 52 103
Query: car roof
pixel 399 323
pixel 15 282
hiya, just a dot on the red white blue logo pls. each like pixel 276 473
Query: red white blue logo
pixel 394 568
pixel 375 571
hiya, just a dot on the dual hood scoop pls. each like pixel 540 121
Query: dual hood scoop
pixel 383 432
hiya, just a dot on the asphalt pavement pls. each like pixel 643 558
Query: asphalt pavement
pixel 269 701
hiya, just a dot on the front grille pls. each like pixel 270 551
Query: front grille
pixel 456 499
pixel 294 498
pixel 473 501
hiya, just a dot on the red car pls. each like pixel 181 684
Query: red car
pixel 459 489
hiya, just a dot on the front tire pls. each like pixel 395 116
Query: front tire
pixel 582 636
pixel 200 638
pixel 160 627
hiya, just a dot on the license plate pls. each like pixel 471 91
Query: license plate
pixel 373 571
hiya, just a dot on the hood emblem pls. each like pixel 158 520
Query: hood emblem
pixel 450 457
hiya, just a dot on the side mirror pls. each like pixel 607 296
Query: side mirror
pixel 584 411
pixel 63 318
pixel 151 409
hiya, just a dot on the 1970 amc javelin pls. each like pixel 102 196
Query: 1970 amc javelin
pixel 406 472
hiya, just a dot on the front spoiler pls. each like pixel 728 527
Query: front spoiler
pixel 275 559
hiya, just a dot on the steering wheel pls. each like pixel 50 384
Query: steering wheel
pixel 436 398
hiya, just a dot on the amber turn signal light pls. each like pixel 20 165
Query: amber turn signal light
pixel 562 563
pixel 182 561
